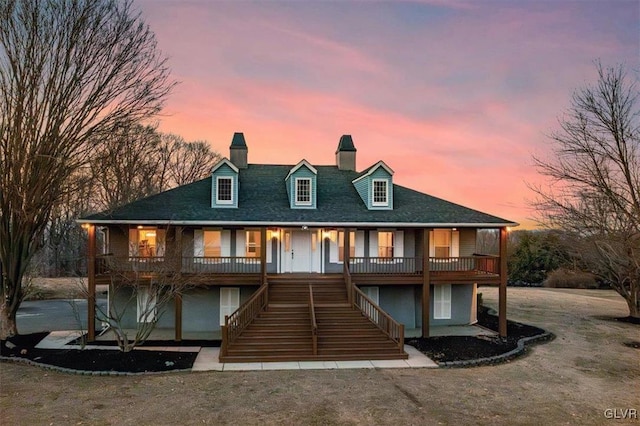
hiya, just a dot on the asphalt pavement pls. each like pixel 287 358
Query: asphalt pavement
pixel 52 315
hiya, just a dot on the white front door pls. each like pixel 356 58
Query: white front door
pixel 300 251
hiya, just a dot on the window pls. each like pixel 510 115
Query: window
pixel 224 191
pixel 352 245
pixel 253 244
pixel 147 310
pixel 385 244
pixel 229 301
pixel 146 242
pixel 442 243
pixel 380 192
pixel 303 191
pixel 212 243
pixel 442 301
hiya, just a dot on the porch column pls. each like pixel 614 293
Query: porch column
pixel 502 290
pixel 178 297
pixel 91 284
pixel 426 284
pixel 263 255
pixel 346 253
pixel 347 246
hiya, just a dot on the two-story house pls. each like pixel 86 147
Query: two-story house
pixel 286 261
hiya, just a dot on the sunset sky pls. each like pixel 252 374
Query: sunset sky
pixel 454 97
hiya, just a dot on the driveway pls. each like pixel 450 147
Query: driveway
pixel 52 315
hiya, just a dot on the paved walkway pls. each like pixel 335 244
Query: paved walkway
pixel 208 358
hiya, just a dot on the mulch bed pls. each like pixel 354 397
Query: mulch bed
pixel 443 349
pixel 108 360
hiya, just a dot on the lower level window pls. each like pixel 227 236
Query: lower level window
pixel 442 301
pixel 229 301
pixel 147 310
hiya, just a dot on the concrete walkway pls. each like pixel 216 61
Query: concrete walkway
pixel 208 358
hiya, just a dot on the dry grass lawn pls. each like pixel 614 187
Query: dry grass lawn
pixel 571 380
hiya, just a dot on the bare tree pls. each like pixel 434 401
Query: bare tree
pixel 594 188
pixel 127 166
pixel 70 73
pixel 187 161
pixel 140 291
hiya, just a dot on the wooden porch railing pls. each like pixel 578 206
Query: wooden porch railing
pixel 314 323
pixel 380 318
pixel 195 265
pixel 347 281
pixel 385 265
pixel 235 323
pixel 485 264
pixel 221 265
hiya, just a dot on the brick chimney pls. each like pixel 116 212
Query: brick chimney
pixel 238 151
pixel 346 154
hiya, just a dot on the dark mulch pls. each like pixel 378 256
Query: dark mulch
pixel 632 344
pixel 150 343
pixel 137 361
pixel 465 348
pixel 629 319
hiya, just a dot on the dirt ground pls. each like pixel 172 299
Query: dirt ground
pixel 574 379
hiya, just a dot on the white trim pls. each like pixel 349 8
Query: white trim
pixel 373 193
pixel 295 195
pixel 224 161
pixel 300 164
pixel 218 200
pixel 373 169
pixel 298 224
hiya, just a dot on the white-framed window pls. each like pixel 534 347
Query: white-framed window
pixel 442 301
pixel 352 245
pixel 146 242
pixel 444 244
pixel 146 303
pixel 303 191
pixel 224 190
pixel 252 246
pixel 385 244
pixel 380 192
pixel 212 243
pixel 229 301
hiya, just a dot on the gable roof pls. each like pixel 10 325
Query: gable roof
pixel 222 162
pixel 369 171
pixel 300 164
pixel 263 201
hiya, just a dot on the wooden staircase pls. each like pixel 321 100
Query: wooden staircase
pixel 283 332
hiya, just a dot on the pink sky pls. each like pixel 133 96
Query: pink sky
pixel 455 98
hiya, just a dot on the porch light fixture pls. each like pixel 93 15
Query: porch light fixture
pixel 139 226
pixel 85 226
pixel 305 227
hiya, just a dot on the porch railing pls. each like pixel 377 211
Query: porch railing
pixel 221 265
pixel 314 323
pixel 235 323
pixel 380 318
pixel 385 265
pixel 483 264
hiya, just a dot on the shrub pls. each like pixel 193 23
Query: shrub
pixel 566 278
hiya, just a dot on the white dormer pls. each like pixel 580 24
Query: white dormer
pixel 375 186
pixel 301 182
pixel 224 185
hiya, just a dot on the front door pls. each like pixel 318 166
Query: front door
pixel 300 251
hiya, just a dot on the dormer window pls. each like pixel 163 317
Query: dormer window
pixel 380 192
pixel 224 192
pixel 303 191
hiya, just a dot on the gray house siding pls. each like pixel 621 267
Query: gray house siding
pixel 461 303
pixel 467 241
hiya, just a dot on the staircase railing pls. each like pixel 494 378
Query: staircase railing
pixel 392 328
pixel 314 323
pixel 347 281
pixel 235 323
